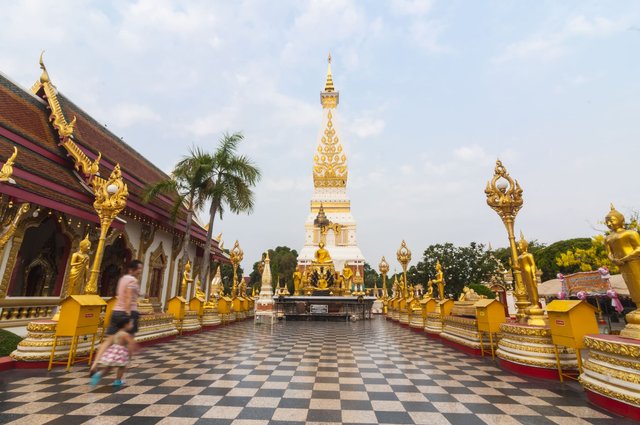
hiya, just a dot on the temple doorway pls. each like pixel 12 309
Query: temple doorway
pixel 40 267
pixel 115 260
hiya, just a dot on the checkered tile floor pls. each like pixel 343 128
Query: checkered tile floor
pixel 295 373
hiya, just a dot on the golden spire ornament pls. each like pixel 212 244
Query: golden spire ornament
pixel 504 196
pixel 384 269
pixel 110 199
pixel 235 255
pixel 404 257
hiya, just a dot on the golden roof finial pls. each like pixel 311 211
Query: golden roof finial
pixel 328 87
pixel 44 77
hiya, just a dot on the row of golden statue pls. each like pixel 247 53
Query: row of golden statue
pixel 541 342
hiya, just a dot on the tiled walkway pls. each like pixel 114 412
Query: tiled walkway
pixel 295 373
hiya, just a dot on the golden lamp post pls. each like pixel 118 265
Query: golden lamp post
pixel 110 200
pixel 504 196
pixel 384 269
pixel 404 256
pixel 236 255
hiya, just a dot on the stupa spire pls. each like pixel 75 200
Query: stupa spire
pixel 328 86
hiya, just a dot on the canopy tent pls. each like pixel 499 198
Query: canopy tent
pixel 550 288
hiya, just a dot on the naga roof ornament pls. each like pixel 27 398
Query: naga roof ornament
pixel 46 90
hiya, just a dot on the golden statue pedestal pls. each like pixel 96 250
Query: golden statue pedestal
pixel 405 311
pixel 211 317
pixel 145 307
pixel 462 333
pixel 155 326
pixel 190 322
pixel 611 374
pixel 434 322
pixel 416 322
pixel 37 345
pixel 528 350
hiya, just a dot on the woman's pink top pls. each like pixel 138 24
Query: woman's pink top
pixel 125 282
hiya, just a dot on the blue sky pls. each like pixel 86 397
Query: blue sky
pixel 431 93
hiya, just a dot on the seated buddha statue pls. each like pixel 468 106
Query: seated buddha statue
pixel 322 255
pixel 199 293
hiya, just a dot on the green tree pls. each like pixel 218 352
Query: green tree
pixel 461 266
pixel 187 186
pixel 371 277
pixel 230 179
pixel 284 261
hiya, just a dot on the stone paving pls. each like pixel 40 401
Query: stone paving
pixel 366 372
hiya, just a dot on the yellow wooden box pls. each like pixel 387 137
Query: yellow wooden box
pixel 428 306
pixel 446 306
pixel 407 304
pixel 224 305
pixel 245 303
pixel 490 315
pixel 177 307
pixel 80 315
pixel 197 304
pixel 570 321
pixel 238 304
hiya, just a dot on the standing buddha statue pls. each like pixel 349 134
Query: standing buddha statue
pixel 79 268
pixel 439 280
pixel 623 249
pixel 186 279
pixel 297 279
pixel 529 275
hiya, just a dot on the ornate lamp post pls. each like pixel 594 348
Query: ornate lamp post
pixel 404 256
pixel 236 255
pixel 504 196
pixel 384 269
pixel 110 200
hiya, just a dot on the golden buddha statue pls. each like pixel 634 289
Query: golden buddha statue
pixel 79 268
pixel 322 255
pixel 199 293
pixel 297 279
pixel 429 293
pixel 439 280
pixel 528 271
pixel 347 278
pixel 186 280
pixel 623 249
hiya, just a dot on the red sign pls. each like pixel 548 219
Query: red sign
pixel 560 322
pixel 88 315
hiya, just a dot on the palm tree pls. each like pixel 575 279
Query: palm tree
pixel 230 179
pixel 187 186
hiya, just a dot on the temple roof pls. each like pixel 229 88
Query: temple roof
pixel 44 172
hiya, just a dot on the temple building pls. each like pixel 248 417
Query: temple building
pixel 329 200
pixel 46 207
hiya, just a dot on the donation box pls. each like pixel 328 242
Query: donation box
pixel 490 315
pixel 224 305
pixel 570 321
pixel 446 306
pixel 197 304
pixel 428 306
pixel 80 315
pixel 177 307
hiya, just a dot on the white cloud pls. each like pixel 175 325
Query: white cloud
pixel 365 127
pixel 128 114
pixel 549 44
pixel 411 7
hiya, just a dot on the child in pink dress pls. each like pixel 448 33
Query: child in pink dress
pixel 117 354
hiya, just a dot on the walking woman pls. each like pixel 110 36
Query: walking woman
pixel 127 294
